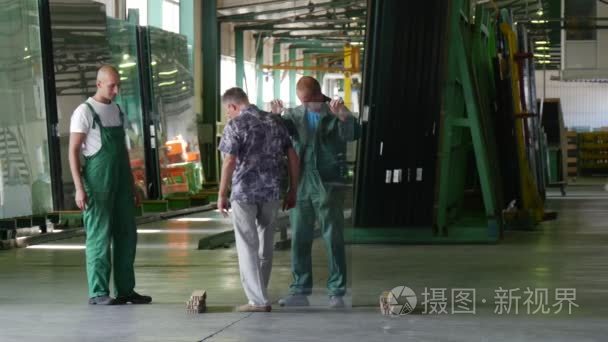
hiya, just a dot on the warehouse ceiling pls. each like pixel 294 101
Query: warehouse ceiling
pixel 545 33
pixel 323 20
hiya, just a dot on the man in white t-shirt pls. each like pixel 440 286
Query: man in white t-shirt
pixel 105 191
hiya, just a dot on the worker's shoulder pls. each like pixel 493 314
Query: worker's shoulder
pixel 83 110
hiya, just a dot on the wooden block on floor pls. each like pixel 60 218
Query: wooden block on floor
pixel 197 302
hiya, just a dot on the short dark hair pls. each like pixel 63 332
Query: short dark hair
pixel 235 95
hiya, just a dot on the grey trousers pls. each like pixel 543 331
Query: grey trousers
pixel 254 235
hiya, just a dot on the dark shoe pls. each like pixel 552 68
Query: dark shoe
pixel 294 300
pixel 336 302
pixel 253 308
pixel 134 298
pixel 102 300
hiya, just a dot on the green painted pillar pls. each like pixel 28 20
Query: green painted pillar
pixel 240 57
pixel 292 78
pixel 155 13
pixel 259 60
pixel 186 27
pixel 211 89
pixel 307 64
pixel 276 74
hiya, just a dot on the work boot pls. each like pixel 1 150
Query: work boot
pixel 134 298
pixel 336 302
pixel 294 300
pixel 102 300
pixel 254 308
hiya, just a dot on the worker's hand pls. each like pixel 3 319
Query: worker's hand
pixel 137 198
pixel 337 107
pixel 81 199
pixel 276 106
pixel 222 205
pixel 290 200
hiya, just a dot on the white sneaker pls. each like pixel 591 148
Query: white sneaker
pixel 294 300
pixel 336 302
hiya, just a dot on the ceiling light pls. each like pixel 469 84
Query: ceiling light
pixel 542 48
pixel 125 57
pixel 58 247
pixel 166 73
pixel 127 65
pixel 194 219
pixel 541 42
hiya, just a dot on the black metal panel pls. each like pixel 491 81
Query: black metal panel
pixel 402 89
pixel 150 119
pixel 50 96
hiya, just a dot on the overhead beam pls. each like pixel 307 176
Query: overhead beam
pixel 330 4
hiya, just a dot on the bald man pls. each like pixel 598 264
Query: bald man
pixel 105 192
pixel 320 129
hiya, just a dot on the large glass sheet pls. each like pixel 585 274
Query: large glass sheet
pixel 122 37
pixel 173 105
pixel 80 46
pixel 25 185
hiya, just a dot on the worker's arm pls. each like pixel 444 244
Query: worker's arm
pixel 348 127
pixel 76 140
pixel 286 115
pixel 228 166
pixel 293 167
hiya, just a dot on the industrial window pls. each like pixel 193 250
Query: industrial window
pixel 142 6
pixel 579 26
pixel 171 15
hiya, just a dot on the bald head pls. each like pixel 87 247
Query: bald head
pixel 309 90
pixel 107 71
pixel 108 84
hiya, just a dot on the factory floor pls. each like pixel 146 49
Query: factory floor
pixel 43 290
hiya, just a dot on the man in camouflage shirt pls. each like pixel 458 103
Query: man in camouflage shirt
pixel 254 144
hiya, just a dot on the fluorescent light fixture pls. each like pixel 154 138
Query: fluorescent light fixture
pixel 543 62
pixel 57 247
pixel 166 73
pixel 124 78
pixel 125 56
pixel 539 21
pixel 153 63
pixel 540 12
pixel 27 57
pixel 127 65
pixel 149 231
pixel 164 84
pixel 542 48
pixel 356 43
pixel 194 219
pixel 184 88
pixel 25 49
pixel 541 42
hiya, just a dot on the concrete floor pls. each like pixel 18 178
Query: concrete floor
pixel 43 289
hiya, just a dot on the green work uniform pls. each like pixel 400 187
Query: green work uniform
pixel 322 155
pixel 109 217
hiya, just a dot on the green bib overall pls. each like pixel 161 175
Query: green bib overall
pixel 109 218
